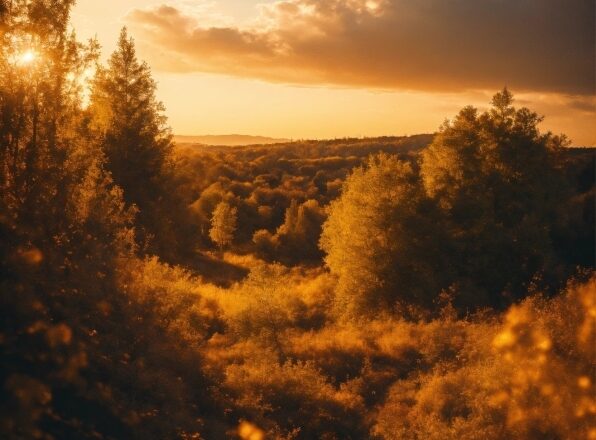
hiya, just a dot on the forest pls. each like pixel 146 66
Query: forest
pixel 436 286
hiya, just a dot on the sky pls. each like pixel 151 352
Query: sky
pixel 342 68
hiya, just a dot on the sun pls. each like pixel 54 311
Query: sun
pixel 27 57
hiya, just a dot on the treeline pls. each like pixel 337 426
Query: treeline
pixel 268 185
pixel 433 287
pixel 279 191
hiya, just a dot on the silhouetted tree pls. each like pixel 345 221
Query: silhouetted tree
pixel 138 147
pixel 494 175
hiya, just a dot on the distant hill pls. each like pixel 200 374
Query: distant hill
pixel 316 149
pixel 230 140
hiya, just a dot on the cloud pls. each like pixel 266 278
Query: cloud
pixel 432 45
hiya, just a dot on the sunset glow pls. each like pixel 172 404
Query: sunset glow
pixel 306 69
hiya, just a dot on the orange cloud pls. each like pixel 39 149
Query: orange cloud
pixel 448 45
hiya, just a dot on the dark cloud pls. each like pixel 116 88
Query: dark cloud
pixel 583 104
pixel 449 45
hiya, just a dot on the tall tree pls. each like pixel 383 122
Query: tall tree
pixel 68 326
pixel 137 143
pixel 496 180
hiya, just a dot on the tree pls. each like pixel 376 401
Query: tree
pixel 69 321
pixel 223 224
pixel 63 227
pixel 137 143
pixel 477 219
pixel 300 232
pixel 495 178
pixel 296 239
pixel 380 239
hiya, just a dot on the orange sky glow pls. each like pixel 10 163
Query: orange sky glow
pixel 343 68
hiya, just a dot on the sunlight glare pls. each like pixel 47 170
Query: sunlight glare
pixel 27 57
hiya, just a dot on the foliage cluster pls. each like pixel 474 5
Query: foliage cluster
pixel 278 190
pixel 476 216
